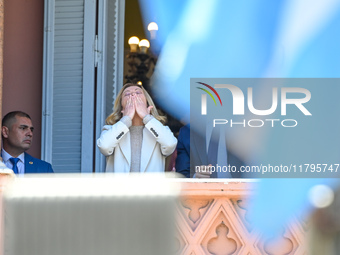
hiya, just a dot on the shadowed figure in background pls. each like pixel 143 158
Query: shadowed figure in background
pixel 195 158
pixel 17 137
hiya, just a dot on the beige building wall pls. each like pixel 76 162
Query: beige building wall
pixel 1 50
pixel 23 62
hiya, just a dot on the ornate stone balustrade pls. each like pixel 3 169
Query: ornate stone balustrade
pixel 213 219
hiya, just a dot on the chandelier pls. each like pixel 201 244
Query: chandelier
pixel 140 61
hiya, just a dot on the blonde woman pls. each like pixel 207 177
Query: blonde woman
pixel 134 138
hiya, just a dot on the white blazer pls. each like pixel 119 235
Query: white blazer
pixel 158 143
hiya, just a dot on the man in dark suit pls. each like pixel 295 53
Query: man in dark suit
pixel 17 135
pixel 189 158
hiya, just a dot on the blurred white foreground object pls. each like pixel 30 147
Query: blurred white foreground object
pixel 83 215
pixel 321 196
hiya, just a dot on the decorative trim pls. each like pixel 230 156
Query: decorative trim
pixel 108 86
pixel 47 86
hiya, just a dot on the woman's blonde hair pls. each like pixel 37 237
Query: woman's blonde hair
pixel 117 114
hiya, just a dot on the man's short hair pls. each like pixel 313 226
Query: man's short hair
pixel 9 118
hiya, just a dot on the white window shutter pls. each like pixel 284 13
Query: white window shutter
pixel 68 85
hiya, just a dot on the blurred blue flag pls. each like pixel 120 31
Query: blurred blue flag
pixel 251 39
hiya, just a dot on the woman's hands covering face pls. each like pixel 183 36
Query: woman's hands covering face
pixel 141 108
pixel 129 109
pixel 136 105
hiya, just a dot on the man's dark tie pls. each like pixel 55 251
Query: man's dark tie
pixel 213 149
pixel 15 167
pixel 217 152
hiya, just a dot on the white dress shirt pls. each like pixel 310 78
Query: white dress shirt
pixel 8 163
